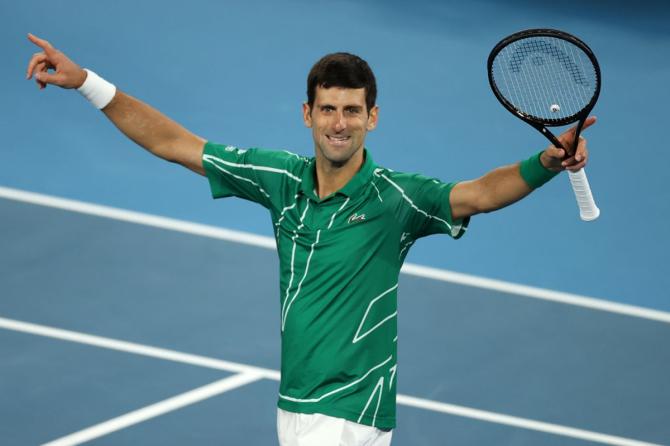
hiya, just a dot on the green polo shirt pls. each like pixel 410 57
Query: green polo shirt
pixel 339 259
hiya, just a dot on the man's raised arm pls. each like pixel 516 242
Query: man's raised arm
pixel 506 185
pixel 138 121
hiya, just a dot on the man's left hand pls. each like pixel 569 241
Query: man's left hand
pixel 555 159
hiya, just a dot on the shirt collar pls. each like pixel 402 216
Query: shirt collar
pixel 350 189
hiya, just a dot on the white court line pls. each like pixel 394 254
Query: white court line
pixel 525 423
pixel 138 349
pixel 137 217
pixel 269 242
pixel 256 373
pixel 155 410
pixel 536 293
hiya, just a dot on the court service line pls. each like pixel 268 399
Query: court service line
pixel 269 242
pixel 156 409
pixel 525 423
pixel 247 372
pixel 137 217
pixel 138 349
pixel 535 292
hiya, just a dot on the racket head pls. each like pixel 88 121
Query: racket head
pixel 546 77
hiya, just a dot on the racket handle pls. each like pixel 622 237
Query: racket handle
pixel 580 185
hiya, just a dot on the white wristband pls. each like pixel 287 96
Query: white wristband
pixel 97 90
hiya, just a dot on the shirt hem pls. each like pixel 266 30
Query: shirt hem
pixel 383 423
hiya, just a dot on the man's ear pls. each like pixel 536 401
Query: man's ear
pixel 373 116
pixel 307 114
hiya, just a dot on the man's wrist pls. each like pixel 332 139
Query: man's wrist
pixel 83 74
pixel 98 91
pixel 534 173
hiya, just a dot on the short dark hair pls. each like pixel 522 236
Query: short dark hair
pixel 342 70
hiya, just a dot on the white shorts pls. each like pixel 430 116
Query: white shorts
pixel 300 429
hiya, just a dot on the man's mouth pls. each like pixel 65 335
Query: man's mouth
pixel 338 139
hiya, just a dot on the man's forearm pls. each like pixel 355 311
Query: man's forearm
pixel 495 190
pixel 145 125
pixel 155 132
pixel 502 187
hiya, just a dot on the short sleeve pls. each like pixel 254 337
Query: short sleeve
pixel 254 174
pixel 432 209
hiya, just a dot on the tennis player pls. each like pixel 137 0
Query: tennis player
pixel 343 227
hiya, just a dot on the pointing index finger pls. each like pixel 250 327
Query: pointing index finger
pixel 45 45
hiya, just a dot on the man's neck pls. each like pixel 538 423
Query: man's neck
pixel 331 177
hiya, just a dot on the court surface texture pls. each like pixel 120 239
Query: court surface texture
pixel 125 328
pixel 136 310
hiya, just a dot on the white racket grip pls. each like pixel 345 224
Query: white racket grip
pixel 580 185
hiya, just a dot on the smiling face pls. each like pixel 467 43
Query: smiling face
pixel 339 120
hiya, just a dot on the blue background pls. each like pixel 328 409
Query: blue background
pixel 234 72
pixel 473 347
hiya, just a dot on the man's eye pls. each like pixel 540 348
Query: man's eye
pixel 327 109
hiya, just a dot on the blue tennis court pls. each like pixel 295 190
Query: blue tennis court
pixel 136 310
pixel 117 313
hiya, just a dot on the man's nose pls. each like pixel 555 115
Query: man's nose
pixel 340 122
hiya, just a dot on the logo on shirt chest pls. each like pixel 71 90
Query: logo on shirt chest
pixel 355 218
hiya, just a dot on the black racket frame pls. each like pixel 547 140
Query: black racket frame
pixel 542 124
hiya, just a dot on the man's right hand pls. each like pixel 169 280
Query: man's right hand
pixel 68 74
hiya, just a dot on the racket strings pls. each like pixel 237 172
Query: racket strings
pixel 547 78
pixel 527 48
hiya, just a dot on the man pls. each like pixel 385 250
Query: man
pixel 343 227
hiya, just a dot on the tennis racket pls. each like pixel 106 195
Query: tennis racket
pixel 549 78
